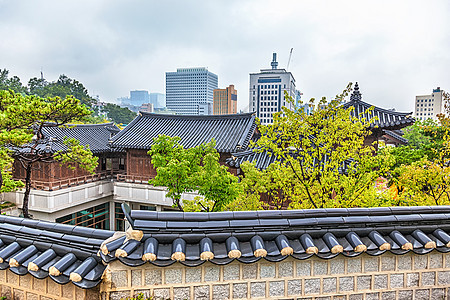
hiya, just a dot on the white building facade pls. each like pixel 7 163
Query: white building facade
pixel 429 106
pixel 267 91
pixel 190 91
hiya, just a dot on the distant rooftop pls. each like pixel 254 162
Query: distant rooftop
pixel 189 70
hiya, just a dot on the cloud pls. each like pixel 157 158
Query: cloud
pixel 395 50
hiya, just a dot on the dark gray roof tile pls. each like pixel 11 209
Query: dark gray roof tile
pixel 361 229
pixel 387 119
pixel 45 244
pixel 231 132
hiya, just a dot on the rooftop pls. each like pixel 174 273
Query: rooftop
pixel 95 135
pixel 71 253
pixel 386 119
pixel 231 132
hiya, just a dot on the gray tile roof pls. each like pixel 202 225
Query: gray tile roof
pixel 95 135
pixel 37 247
pixel 71 253
pixel 262 160
pixel 192 238
pixel 396 134
pixel 387 119
pixel 231 132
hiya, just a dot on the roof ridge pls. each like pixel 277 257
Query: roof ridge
pixel 348 104
pixel 82 125
pixel 227 116
pixel 288 214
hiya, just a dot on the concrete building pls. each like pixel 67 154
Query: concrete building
pixel 190 91
pixel 147 107
pixel 225 101
pixel 428 106
pixel 267 91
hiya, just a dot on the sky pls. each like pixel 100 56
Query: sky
pixel 395 50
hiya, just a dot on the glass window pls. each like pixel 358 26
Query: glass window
pixel 95 217
pixel 119 217
pixel 147 207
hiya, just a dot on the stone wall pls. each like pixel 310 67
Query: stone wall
pixel 29 288
pixel 388 276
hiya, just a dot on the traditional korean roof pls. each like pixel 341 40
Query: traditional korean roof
pixel 387 119
pixel 231 132
pixel 192 238
pixel 95 135
pixel 396 134
pixel 62 252
pixel 262 160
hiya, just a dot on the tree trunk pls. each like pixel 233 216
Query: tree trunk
pixel 26 195
pixel 1 180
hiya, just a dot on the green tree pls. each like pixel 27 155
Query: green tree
pixel 63 87
pixel 119 115
pixel 421 173
pixel 12 83
pixel 322 160
pixel 21 123
pixel 193 169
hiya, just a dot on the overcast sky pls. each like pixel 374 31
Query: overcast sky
pixel 394 49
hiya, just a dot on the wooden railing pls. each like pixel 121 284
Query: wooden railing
pixel 65 183
pixel 116 175
pixel 133 178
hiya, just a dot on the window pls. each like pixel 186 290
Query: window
pixel 95 217
pixel 147 207
pixel 119 217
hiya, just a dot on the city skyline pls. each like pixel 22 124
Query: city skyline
pixel 395 50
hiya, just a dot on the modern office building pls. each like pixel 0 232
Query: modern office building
pixel 267 91
pixel 225 101
pixel 139 97
pixel 190 91
pixel 428 106
pixel 158 100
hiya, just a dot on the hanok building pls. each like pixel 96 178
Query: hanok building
pixel 387 122
pixel 355 253
pixel 386 127
pixel 231 133
pixel 77 198
pixel 68 195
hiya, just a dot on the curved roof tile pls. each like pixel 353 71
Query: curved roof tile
pixel 193 238
pixel 96 136
pixel 231 132
pixel 386 119
pixel 62 252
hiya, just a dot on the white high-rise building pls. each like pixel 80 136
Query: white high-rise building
pixel 267 91
pixel 428 106
pixel 190 91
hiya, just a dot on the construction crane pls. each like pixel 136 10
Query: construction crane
pixel 289 60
